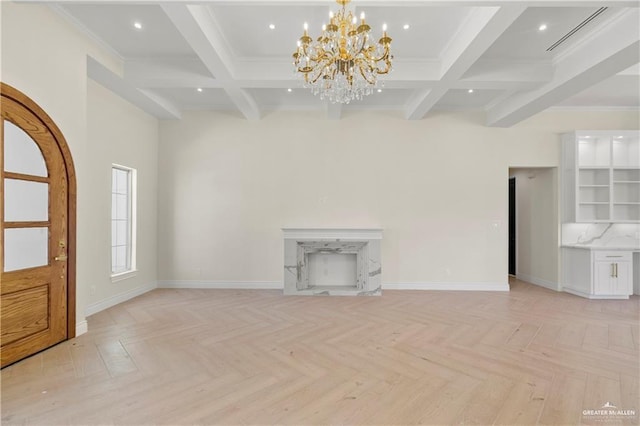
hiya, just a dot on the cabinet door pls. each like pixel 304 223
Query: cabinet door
pixel 622 283
pixel 603 277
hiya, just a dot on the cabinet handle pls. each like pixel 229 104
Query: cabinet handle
pixel 615 256
pixel 613 270
pixel 616 268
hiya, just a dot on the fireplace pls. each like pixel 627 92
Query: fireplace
pixel 332 262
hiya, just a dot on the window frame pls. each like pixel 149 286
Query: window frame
pixel 131 267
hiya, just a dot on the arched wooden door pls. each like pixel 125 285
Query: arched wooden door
pixel 37 217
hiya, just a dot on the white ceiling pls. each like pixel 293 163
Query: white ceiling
pixel 113 24
pixel 523 41
pixel 493 47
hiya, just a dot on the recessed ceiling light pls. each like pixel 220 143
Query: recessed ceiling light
pixel 137 25
pixel 470 91
pixel 406 26
pixel 379 90
pixel 199 89
pixel 542 27
pixel 289 90
pixel 272 27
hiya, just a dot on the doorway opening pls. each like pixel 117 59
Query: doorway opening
pixel 534 229
pixel 512 226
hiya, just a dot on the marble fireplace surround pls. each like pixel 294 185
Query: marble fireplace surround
pixel 300 244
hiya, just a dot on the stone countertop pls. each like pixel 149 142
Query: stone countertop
pixel 596 247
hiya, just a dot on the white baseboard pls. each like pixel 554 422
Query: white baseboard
pixel 245 285
pixel 575 292
pixel 538 281
pixel 81 327
pixel 447 286
pixel 277 285
pixel 94 308
pixel 581 293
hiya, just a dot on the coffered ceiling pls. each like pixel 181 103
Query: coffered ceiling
pixel 474 54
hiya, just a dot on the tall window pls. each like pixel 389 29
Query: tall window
pixel 123 226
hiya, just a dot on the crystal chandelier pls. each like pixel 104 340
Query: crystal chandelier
pixel 343 64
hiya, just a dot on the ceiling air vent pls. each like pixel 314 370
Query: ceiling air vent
pixel 577 28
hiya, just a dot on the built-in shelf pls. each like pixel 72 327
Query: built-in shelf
pixel 601 176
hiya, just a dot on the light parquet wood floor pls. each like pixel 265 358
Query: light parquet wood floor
pixel 530 356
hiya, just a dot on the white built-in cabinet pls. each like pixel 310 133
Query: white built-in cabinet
pixel 601 175
pixel 612 273
pixel 598 274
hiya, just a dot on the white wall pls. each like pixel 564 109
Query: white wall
pixel 45 58
pixel 228 185
pixel 537 229
pixel 120 133
pixel 435 185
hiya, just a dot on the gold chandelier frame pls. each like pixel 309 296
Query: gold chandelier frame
pixel 344 53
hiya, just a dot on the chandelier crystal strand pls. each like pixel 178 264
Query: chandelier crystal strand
pixel 342 64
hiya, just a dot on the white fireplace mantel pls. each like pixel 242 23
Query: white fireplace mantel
pixel 303 245
pixel 347 234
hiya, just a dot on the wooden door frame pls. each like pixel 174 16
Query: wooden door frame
pixel 17 96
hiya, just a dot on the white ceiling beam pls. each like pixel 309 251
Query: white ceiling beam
pixel 480 30
pixel 334 110
pixel 152 104
pixel 423 73
pixel 494 85
pixel 275 68
pixel 477 34
pixel 366 3
pixel 505 95
pixel 190 74
pixel 245 102
pixel 501 70
pixel 423 102
pixel 634 70
pixel 168 72
pixel 612 49
pixel 196 25
pixel 208 83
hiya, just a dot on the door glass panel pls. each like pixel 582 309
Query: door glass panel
pixel 21 153
pixel 25 248
pixel 25 201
